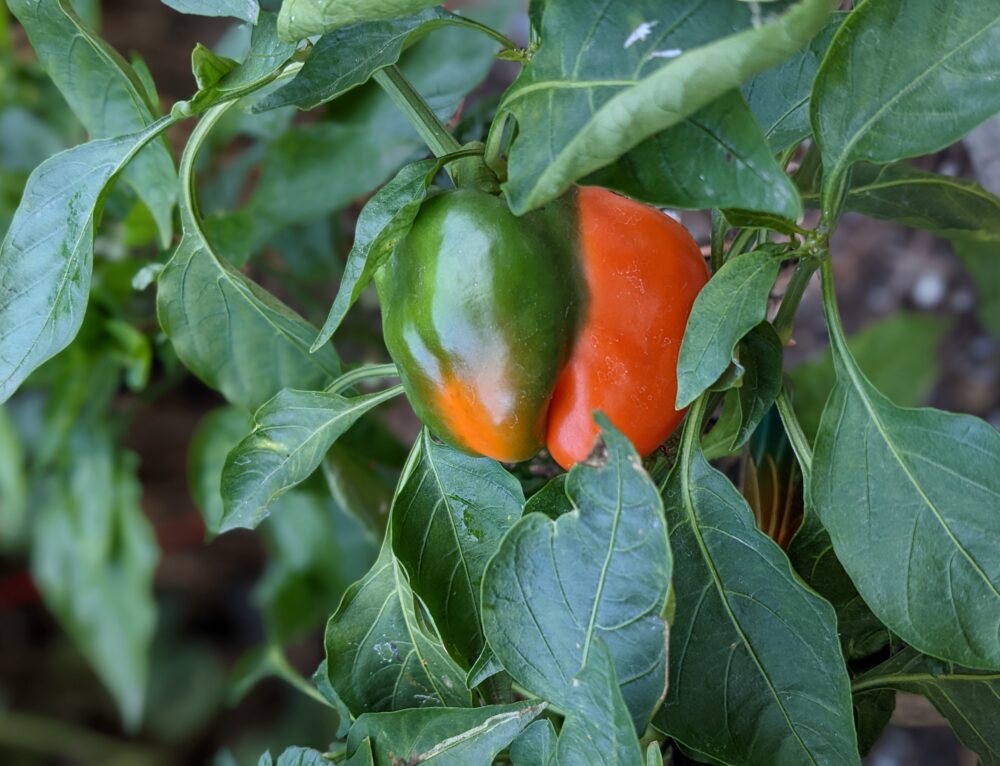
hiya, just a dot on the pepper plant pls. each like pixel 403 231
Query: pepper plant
pixel 637 608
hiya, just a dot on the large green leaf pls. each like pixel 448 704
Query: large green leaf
pixel 596 89
pixel 779 97
pixel 897 354
pixel 756 673
pixel 450 513
pixel 950 207
pixel 446 737
pixel 380 653
pixel 47 256
pixel 600 571
pixel 93 558
pixel 302 18
pixel 917 542
pixel 291 434
pixel 234 335
pixel 969 699
pixel 106 95
pixel 717 157
pixel 244 10
pixel 732 303
pixel 944 80
pixel 598 727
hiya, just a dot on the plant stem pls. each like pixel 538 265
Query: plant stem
pixel 31 733
pixel 785 318
pixel 417 111
pixel 799 442
pixel 348 379
pixel 489 31
pixel 719 227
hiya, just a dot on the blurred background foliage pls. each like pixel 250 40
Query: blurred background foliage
pixel 129 634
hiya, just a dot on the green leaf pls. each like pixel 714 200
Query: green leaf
pixel 872 712
pixel 779 97
pixel 982 261
pixel 597 722
pixel 443 737
pixel 898 354
pixel 244 10
pixel 217 434
pixel 381 655
pixel 746 634
pixel 653 755
pixel 949 207
pixel 291 434
pixel 362 756
pixel 356 484
pixel 732 303
pixel 969 699
pixel 93 559
pixel 594 91
pixel 302 18
pixel 760 354
pixel 551 499
pixel 717 157
pixel 383 222
pixel 231 333
pixel 919 537
pixel 208 68
pixel 600 571
pixel 535 746
pixel 107 96
pixel 931 96
pixel 46 258
pixel 450 513
pixel 293 756
pixel 342 60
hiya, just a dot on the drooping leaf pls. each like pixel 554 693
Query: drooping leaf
pixel 46 258
pixel 244 10
pixel 718 157
pixel 598 727
pixel 779 97
pixel 932 95
pixel 383 222
pixel 380 655
pixel 302 18
pixel 93 558
pixel 593 91
pixel 969 699
pixel 291 434
pixel 442 737
pixel 600 571
pixel 231 333
pixel 761 356
pixel 107 96
pixel 450 513
pixel 919 537
pixel 747 635
pixel 208 67
pixel 732 303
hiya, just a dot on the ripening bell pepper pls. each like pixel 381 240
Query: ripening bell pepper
pixel 509 332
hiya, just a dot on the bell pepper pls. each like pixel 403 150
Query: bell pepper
pixel 509 332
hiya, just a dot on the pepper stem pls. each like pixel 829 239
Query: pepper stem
pixel 468 172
